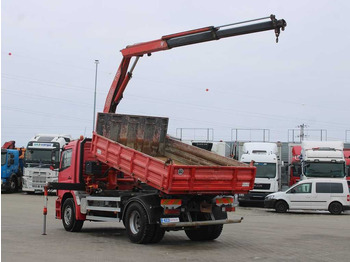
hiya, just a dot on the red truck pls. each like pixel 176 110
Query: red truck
pixel 295 165
pixel 347 160
pixel 132 171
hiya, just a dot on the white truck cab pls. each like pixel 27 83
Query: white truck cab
pixel 322 159
pixel 43 151
pixel 312 194
pixel 267 160
pixel 218 147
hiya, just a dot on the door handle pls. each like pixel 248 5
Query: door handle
pixel 69 177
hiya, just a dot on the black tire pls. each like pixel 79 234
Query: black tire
pixel 335 208
pixel 13 184
pixel 158 234
pixel 70 223
pixel 281 206
pixel 139 230
pixel 207 233
pixel 204 233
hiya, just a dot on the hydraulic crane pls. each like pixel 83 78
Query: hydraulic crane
pixel 167 42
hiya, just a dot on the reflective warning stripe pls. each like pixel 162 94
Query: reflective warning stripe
pixel 170 202
pixel 224 201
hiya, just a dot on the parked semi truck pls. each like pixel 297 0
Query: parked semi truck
pixel 221 148
pixel 11 167
pixel 322 159
pixel 131 171
pixel 42 152
pixel 294 167
pixel 347 162
pixel 266 157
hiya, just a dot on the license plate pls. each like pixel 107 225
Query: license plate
pixel 169 220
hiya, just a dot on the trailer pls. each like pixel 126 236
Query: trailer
pixel 132 171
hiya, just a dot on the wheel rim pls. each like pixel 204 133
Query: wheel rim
pixel 134 222
pixel 13 184
pixel 67 215
pixel 336 208
pixel 281 207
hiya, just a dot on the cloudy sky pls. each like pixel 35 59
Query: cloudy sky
pixel 252 82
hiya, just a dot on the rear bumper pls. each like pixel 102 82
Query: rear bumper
pixel 346 208
pixel 202 223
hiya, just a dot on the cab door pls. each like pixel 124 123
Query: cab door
pixel 300 196
pixel 68 164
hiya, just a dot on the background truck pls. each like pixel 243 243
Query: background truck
pixel 131 171
pixel 221 148
pixel 347 162
pixel 266 158
pixel 11 167
pixel 322 159
pixel 294 167
pixel 43 151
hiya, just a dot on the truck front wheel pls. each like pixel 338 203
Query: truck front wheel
pixel 138 228
pixel 70 223
pixel 13 186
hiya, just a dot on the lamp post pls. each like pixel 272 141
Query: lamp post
pixel 94 114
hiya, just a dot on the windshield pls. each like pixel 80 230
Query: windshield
pixel 3 158
pixel 41 158
pixel 265 170
pixel 296 168
pixel 319 169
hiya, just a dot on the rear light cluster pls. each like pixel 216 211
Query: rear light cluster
pixel 227 204
pixel 348 198
pixel 171 206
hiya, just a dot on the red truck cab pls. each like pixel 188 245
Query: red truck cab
pixel 347 160
pixel 295 169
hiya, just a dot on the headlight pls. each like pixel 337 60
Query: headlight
pixel 270 197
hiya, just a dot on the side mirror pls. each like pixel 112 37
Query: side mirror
pixel 52 168
pixel 293 191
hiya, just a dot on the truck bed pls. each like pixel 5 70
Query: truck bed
pixel 138 146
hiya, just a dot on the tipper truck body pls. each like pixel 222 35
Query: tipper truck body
pixel 131 171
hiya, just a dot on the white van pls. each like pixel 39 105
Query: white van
pixel 313 194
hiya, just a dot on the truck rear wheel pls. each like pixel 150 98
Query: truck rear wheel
pixel 158 234
pixel 138 228
pixel 70 223
pixel 204 233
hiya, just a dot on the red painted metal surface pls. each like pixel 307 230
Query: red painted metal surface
pixel 294 178
pixel 144 48
pixel 347 160
pixel 172 178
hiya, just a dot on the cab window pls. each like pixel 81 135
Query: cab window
pixel 66 159
pixel 301 189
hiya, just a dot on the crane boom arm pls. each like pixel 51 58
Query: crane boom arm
pixel 196 36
